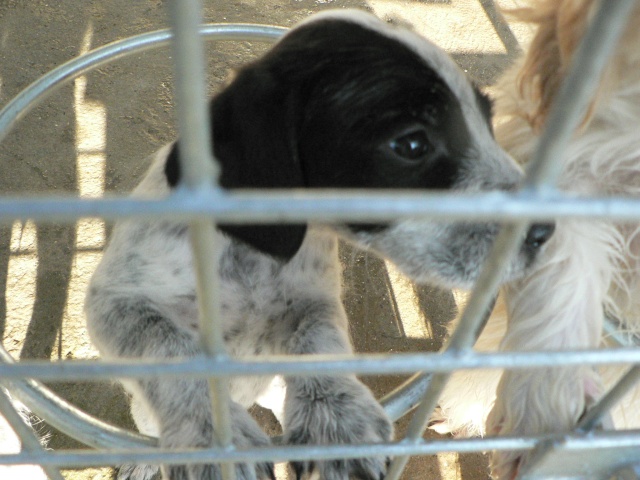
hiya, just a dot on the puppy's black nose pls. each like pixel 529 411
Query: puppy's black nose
pixel 538 234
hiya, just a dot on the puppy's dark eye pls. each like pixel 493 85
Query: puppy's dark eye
pixel 411 146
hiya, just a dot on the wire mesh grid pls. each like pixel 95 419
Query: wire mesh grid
pixel 199 201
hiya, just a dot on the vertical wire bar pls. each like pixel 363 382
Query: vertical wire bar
pixel 191 95
pixel 620 389
pixel 200 172
pixel 606 403
pixel 505 247
pixel 28 438
pixel 577 90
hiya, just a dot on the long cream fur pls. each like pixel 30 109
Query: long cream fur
pixel 588 267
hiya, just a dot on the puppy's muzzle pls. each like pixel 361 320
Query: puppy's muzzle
pixel 539 234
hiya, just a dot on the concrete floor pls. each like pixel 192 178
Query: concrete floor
pixel 90 137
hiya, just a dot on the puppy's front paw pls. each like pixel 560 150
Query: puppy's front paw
pixel 212 472
pixel 246 433
pixel 138 472
pixel 335 410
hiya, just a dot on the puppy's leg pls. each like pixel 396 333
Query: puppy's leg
pixel 331 409
pixel 130 328
pixel 559 306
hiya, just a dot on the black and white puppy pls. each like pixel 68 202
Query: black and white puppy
pixel 342 101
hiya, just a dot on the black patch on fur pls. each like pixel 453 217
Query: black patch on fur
pixel 172 168
pixel 366 227
pixel 254 140
pixel 320 110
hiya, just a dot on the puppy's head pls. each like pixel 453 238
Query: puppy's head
pixel 347 101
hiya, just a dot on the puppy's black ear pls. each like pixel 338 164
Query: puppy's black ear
pixel 254 138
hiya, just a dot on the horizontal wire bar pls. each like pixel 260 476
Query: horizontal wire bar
pixel 88 370
pixel 275 453
pixel 90 458
pixel 95 433
pixel 296 206
pixel 66 417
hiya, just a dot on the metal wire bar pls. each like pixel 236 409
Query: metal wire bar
pixel 204 246
pixel 606 403
pixel 197 166
pixel 28 438
pixel 409 394
pixel 92 432
pixel 464 336
pixel 21 104
pixel 89 458
pixel 629 380
pixel 362 364
pixel 200 172
pixel 624 385
pixel 575 93
pixel 468 330
pixel 69 419
pixel 325 205
pixel 618 333
pixel 274 453
pixel 95 433
pixel 406 396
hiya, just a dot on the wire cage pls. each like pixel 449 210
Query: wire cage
pixel 583 453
